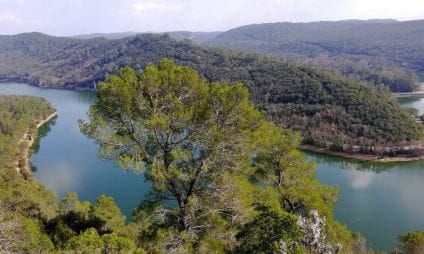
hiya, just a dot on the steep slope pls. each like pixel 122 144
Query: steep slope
pixel 376 50
pixel 332 112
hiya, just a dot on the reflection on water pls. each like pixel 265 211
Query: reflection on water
pixel 405 101
pixel 360 181
pixel 62 176
pixel 86 97
pixel 412 102
pixel 42 132
pixel 351 164
pixel 377 199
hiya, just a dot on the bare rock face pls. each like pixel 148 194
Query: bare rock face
pixel 314 238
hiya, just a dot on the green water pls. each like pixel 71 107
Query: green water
pixel 412 102
pixel 378 200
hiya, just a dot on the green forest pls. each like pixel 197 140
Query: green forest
pixel 332 111
pixel 225 180
pixel 385 52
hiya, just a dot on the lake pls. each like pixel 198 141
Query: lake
pixel 378 200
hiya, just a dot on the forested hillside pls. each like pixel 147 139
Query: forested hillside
pixel 332 111
pixel 18 116
pixel 381 51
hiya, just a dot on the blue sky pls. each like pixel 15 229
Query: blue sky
pixel 70 17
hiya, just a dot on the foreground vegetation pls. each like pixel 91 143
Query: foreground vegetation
pixel 332 112
pixel 386 52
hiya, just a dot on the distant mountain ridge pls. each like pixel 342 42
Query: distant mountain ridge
pixel 383 30
pixel 111 36
pixel 380 51
pixel 198 37
pixel 386 52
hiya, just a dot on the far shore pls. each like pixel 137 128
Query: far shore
pixel 26 169
pixel 419 92
pixel 47 86
pixel 361 157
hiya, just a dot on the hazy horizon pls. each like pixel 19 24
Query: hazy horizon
pixel 195 31
pixel 75 17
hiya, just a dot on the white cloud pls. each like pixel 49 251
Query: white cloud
pixel 402 10
pixel 9 17
pixel 359 180
pixel 15 1
pixel 82 16
pixel 61 177
pixel 206 15
pixel 154 6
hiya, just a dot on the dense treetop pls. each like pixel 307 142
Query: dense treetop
pixel 212 158
pixel 411 243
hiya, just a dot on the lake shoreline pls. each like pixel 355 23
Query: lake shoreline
pixel 419 92
pixel 36 84
pixel 361 157
pixel 311 148
pixel 25 169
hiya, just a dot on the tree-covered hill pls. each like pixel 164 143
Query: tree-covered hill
pixel 332 111
pixel 381 51
pixel 18 116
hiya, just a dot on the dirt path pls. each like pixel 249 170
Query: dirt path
pixel 28 141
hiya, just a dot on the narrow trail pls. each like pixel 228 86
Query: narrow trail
pixel 27 141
